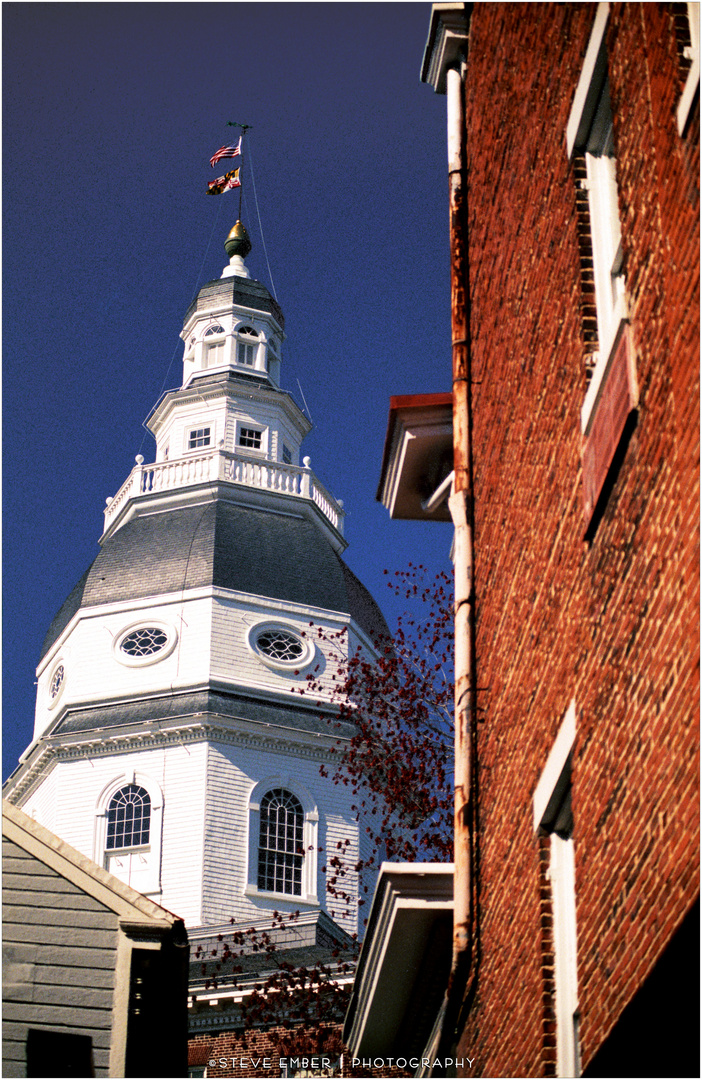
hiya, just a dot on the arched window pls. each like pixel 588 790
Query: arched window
pixel 247 346
pixel 128 818
pixel 281 851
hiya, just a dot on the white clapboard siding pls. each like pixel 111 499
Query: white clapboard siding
pixel 94 671
pixel 234 772
pixel 175 776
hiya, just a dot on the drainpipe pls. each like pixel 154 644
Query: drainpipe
pixel 444 66
pixel 461 507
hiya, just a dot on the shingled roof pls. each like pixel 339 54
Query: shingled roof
pixel 226 545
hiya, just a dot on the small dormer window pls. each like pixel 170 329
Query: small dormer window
pixel 214 351
pixel 199 437
pixel 247 346
pixel 214 354
pixel 250 438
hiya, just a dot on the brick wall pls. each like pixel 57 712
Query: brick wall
pixel 610 623
pixel 261 1053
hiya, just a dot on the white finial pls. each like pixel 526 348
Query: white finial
pixel 236 268
pixel 108 500
pixel 306 462
pixel 139 459
pixel 237 247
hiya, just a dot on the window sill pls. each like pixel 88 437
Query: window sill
pixel 308 901
pixel 602 367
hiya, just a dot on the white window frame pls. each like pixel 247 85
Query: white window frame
pixel 310 831
pixel 246 425
pixel 565 953
pixel 692 82
pixel 247 341
pixel 305 658
pixel 610 292
pixel 548 792
pixel 144 661
pixel 52 702
pixel 215 353
pixel 188 449
pixel 151 884
pixel 606 236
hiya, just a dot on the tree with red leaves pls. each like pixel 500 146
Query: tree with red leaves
pixel 400 703
pixel 398 762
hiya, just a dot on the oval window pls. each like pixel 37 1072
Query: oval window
pixel 282 647
pixel 144 642
pixel 56 684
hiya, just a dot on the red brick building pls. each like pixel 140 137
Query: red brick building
pixel 574 188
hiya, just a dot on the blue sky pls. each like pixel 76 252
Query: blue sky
pixel 111 113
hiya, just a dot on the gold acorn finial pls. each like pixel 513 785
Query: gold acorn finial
pixel 237 243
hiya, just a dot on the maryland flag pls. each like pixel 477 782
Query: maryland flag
pixel 224 183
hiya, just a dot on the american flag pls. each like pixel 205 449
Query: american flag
pixel 225 151
pixel 224 183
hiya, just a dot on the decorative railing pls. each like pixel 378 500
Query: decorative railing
pixel 296 480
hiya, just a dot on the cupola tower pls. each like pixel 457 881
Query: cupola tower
pixel 171 742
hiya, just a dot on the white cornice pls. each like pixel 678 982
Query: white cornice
pixel 447 43
pixel 73 746
pixel 239 494
pixel 256 391
pixel 228 308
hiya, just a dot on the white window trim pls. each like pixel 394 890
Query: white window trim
pixel 549 790
pixel 610 293
pixel 692 81
pixel 565 949
pixel 187 449
pixel 250 425
pixel 590 83
pixel 555 764
pixel 100 854
pixel 310 830
pixel 52 702
pixel 144 661
pixel 281 665
pixel 602 366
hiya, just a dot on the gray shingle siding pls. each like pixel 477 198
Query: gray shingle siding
pixel 58 959
pixel 206 705
pixel 237 290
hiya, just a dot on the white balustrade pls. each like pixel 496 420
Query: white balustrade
pixel 255 472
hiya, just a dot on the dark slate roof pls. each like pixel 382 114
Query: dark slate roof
pixel 205 704
pixel 224 545
pixel 237 290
